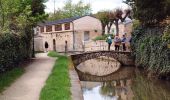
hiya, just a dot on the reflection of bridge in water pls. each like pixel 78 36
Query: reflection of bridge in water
pixel 121 74
pixel 125 58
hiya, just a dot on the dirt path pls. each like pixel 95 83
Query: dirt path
pixel 29 85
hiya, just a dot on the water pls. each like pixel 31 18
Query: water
pixel 103 79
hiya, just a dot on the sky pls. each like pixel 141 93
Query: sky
pixel 96 5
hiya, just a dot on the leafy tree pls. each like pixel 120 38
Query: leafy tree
pixel 20 16
pixel 103 16
pixel 71 10
pixel 150 12
pixel 108 18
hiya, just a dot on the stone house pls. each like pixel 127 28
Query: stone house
pixel 73 32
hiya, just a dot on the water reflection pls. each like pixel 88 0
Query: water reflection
pixel 127 83
pixel 99 66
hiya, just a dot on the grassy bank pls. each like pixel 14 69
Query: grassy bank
pixel 58 83
pixel 7 78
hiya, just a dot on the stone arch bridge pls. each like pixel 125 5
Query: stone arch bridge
pixel 125 58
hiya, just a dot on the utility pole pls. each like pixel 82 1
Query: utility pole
pixel 54 6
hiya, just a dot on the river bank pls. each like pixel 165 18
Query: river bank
pixel 150 51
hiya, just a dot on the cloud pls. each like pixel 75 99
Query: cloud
pixel 95 4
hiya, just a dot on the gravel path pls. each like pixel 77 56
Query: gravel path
pixel 29 85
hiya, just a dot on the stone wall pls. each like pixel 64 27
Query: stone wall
pixel 125 58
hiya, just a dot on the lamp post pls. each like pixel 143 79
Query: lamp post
pixel 33 49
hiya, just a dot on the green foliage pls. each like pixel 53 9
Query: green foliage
pixel 17 19
pixel 150 12
pixel 7 78
pixel 13 49
pixel 58 83
pixel 150 50
pixel 103 37
pixel 166 34
pixel 53 54
pixel 136 24
pixel 103 16
pixel 71 10
pixel 18 14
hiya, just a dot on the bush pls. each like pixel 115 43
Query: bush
pixel 150 50
pixel 103 37
pixel 13 49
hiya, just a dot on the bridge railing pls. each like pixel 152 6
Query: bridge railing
pixel 100 45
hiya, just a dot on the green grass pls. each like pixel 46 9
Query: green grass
pixel 58 83
pixel 6 79
pixel 53 54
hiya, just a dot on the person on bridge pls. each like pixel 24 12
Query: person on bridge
pixel 109 41
pixel 123 40
pixel 117 42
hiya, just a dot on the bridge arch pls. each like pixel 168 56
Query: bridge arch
pixel 125 58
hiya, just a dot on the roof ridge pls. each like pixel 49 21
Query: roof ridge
pixel 60 21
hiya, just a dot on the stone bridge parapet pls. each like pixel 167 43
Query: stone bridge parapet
pixel 125 58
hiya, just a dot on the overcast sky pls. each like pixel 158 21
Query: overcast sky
pixel 96 5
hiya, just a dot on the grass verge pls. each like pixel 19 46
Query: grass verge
pixel 58 83
pixel 6 79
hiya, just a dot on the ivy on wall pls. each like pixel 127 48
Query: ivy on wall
pixel 150 49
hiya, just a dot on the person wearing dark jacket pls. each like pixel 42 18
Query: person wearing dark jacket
pixel 46 47
pixel 123 40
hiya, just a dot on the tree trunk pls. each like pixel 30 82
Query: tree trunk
pixel 109 27
pixel 103 29
pixel 117 27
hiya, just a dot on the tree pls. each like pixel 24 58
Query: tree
pixel 150 12
pixel 71 10
pixel 20 16
pixel 108 18
pixel 103 16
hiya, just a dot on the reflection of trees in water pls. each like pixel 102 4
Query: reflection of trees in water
pixel 147 89
pixel 115 89
pixel 107 89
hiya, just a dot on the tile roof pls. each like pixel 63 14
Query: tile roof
pixel 60 21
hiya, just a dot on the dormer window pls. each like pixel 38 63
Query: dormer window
pixel 58 27
pixel 67 26
pixel 48 28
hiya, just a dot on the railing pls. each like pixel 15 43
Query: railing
pixel 100 45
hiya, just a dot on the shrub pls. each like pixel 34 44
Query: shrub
pixel 13 49
pixel 103 37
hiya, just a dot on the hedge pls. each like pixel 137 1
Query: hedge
pixel 13 49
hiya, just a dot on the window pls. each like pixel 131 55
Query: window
pixel 67 26
pixel 41 29
pixel 48 28
pixel 58 27
pixel 86 35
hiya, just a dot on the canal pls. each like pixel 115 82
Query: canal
pixel 104 78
